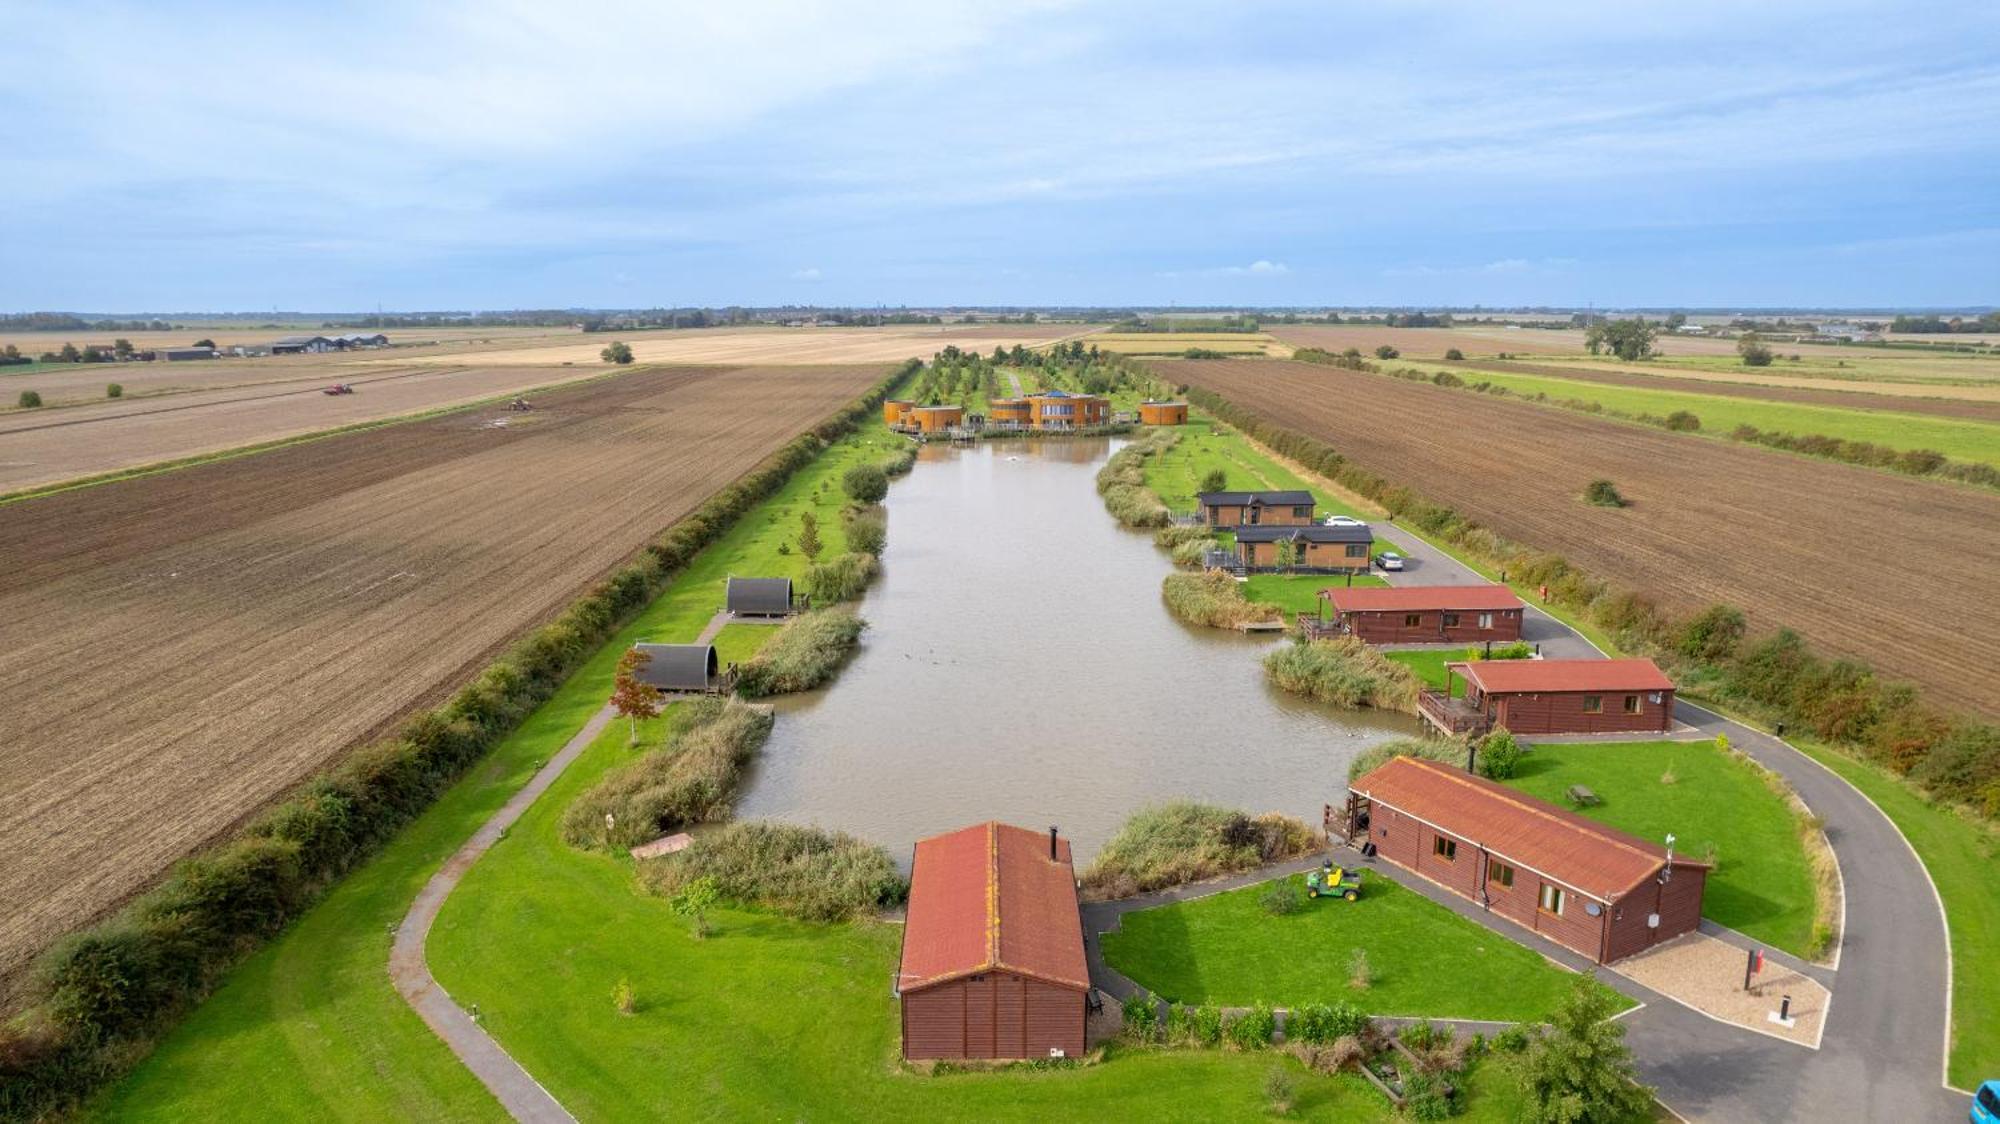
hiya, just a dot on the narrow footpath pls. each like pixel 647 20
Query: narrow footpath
pixel 520 1094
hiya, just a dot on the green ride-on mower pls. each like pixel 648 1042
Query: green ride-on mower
pixel 1331 880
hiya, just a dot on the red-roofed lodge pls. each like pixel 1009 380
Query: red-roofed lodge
pixel 1553 697
pixel 1427 614
pixel 993 963
pixel 1588 887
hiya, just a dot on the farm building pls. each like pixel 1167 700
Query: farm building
pixel 184 354
pixel 1163 413
pixel 993 962
pixel 1314 548
pixel 687 668
pixel 299 345
pixel 760 597
pixel 1014 412
pixel 1588 887
pixel 894 410
pixel 356 340
pixel 1467 614
pixel 933 419
pixel 1255 509
pixel 1059 409
pixel 1553 697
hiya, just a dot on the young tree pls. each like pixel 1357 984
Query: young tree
pixel 1215 480
pixel 121 346
pixel 618 352
pixel 204 343
pixel 69 354
pixel 1386 352
pixel 1453 354
pixel 809 544
pixel 1627 339
pixel 631 696
pixel 1578 1068
pixel 696 898
pixel 1753 351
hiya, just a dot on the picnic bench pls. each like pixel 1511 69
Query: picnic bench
pixel 1581 796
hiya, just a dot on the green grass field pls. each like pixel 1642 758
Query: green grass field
pixel 736 643
pixel 309 1028
pixel 1176 475
pixel 1429 663
pixel 1424 959
pixel 1299 593
pixel 1959 439
pixel 1716 804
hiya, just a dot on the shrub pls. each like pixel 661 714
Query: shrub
pixel 1181 842
pixel 1682 421
pixel 1282 899
pixel 1252 1030
pixel 803 872
pixel 693 901
pixel 1711 635
pixel 689 781
pixel 623 999
pixel 1453 354
pixel 865 483
pixel 1359 975
pixel 843 578
pixel 1450 752
pixel 867 530
pixel 619 352
pixel 1142 1016
pixel 805 653
pixel 1603 493
pixel 30 400
pixel 1753 351
pixel 1281 1091
pixel 1344 671
pixel 1204 1025
pixel 1500 756
pixel 1386 352
pixel 114 390
pixel 1426 1097
pixel 1324 1023
pixel 1192 551
pixel 1215 480
pixel 1213 599
pixel 1579 1068
pixel 901 460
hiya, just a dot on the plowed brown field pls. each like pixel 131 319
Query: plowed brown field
pixel 177 649
pixel 1900 572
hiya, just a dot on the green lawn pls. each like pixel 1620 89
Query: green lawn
pixel 1299 593
pixel 1762 884
pixel 1176 475
pixel 1962 857
pixel 309 1027
pixel 1959 439
pixel 1226 949
pixel 1429 663
pixel 736 643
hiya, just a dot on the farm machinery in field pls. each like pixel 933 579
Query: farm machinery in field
pixel 339 388
pixel 1334 881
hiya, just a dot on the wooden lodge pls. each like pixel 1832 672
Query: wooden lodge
pixel 683 669
pixel 1163 413
pixel 933 419
pixel 760 597
pixel 1588 887
pixel 1312 547
pixel 993 963
pixel 1256 509
pixel 1433 614
pixel 895 411
pixel 1553 697
pixel 1010 413
pixel 1059 409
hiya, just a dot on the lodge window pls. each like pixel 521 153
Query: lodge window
pixel 1500 874
pixel 1593 704
pixel 1305 512
pixel 1631 704
pixel 1451 620
pixel 1446 849
pixel 1357 550
pixel 1412 620
pixel 1552 899
pixel 1486 620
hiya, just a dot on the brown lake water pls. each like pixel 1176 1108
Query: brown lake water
pixel 1019 666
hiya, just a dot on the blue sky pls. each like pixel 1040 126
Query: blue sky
pixel 209 156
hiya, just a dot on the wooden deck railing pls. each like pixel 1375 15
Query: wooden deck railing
pixel 1453 716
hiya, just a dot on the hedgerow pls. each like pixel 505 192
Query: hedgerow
pixel 103 994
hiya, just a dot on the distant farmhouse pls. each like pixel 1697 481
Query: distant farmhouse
pixel 315 345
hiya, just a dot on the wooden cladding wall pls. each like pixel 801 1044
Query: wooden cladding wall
pixel 1394 627
pixel 997 1015
pixel 1566 712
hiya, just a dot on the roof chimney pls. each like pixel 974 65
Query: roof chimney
pixel 1052 844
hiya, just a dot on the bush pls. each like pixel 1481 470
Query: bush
pixel 30 400
pixel 1360 976
pixel 1344 671
pixel 1192 552
pixel 1386 352
pixel 619 353
pixel 803 872
pixel 1252 1030
pixel 1500 756
pixel 689 781
pixel 1142 1016
pixel 1453 354
pixel 865 483
pixel 1681 421
pixel 867 530
pixel 1213 599
pixel 115 390
pixel 844 578
pixel 1711 635
pixel 1282 899
pixel 1324 1023
pixel 1753 351
pixel 805 653
pixel 1450 752
pixel 1281 1091
pixel 1172 844
pixel 901 461
pixel 1603 493
pixel 1215 480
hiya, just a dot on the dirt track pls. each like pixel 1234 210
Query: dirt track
pixel 178 649
pixel 1865 563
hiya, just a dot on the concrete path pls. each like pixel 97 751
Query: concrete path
pixel 523 1097
pixel 1014 380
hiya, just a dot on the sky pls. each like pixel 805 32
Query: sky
pixel 237 156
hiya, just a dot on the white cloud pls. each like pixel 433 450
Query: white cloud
pixel 810 273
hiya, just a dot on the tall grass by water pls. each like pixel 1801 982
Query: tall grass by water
pixel 803 872
pixel 1344 671
pixel 1171 844
pixel 1214 599
pixel 691 780
pixel 805 653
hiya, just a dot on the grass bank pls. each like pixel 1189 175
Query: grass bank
pixel 1231 950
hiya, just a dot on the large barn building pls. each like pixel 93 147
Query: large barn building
pixel 993 963
pixel 1588 887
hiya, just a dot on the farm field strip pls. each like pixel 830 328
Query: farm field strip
pixel 179 648
pixel 757 345
pixel 1789 540
pixel 1750 386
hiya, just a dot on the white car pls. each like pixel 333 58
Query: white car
pixel 1389 560
pixel 1343 521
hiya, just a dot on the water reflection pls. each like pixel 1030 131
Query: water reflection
pixel 1019 666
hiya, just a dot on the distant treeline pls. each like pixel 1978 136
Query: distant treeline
pixel 1933 324
pixel 65 322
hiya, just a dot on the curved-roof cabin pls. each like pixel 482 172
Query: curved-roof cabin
pixel 678 667
pixel 760 597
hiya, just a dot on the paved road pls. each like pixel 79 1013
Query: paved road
pixel 1882 1055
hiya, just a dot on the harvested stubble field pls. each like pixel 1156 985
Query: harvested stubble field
pixel 268 400
pixel 1811 544
pixel 235 335
pixel 757 345
pixel 179 648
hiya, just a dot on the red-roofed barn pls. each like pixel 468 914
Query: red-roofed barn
pixel 1586 886
pixel 1458 614
pixel 993 962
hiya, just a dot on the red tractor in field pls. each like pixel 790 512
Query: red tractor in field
pixel 339 388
